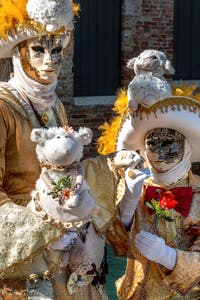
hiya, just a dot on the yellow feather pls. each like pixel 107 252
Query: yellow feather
pixel 107 141
pixel 187 90
pixel 75 7
pixel 12 14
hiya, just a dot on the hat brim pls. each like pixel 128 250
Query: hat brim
pixel 178 113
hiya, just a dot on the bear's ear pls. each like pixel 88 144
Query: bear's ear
pixel 36 135
pixel 85 135
pixel 169 68
pixel 131 63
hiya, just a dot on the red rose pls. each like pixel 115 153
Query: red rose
pixel 167 200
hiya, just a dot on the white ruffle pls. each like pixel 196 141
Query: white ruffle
pixel 39 94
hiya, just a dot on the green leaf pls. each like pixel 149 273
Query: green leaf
pixel 149 205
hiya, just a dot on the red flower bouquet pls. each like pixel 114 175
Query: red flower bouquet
pixel 167 200
pixel 164 205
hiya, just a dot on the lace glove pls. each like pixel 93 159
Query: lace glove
pixel 126 158
pixel 132 194
pixel 154 248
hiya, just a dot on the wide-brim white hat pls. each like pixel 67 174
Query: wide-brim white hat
pixel 177 112
pixel 22 20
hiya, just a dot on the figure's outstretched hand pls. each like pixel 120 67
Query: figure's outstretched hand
pixel 154 248
pixel 126 158
pixel 134 181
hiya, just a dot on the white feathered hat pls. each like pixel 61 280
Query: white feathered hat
pixel 21 20
pixel 177 112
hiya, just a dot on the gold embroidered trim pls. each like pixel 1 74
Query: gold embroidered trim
pixel 51 166
pixel 30 258
pixel 10 99
pixel 175 103
pixel 15 104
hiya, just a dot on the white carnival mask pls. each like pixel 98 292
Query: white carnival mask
pixel 42 57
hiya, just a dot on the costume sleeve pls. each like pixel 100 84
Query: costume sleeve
pixel 107 192
pixel 103 189
pixel 3 140
pixel 186 273
pixel 23 234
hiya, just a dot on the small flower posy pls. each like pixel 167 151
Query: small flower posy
pixel 164 205
pixel 62 189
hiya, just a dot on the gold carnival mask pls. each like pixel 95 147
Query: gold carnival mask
pixel 42 57
pixel 164 148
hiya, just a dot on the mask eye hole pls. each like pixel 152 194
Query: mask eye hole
pixel 150 143
pixel 38 49
pixel 56 50
pixel 58 137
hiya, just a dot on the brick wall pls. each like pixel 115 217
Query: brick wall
pixel 145 25
pixel 91 116
pixel 65 80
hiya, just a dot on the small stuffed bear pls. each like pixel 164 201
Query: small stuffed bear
pixel 149 84
pixel 61 195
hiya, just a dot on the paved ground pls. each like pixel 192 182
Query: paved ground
pixel 116 267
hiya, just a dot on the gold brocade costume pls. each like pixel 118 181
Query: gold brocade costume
pixel 24 236
pixel 150 281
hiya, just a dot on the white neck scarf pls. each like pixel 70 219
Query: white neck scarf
pixel 41 95
pixel 177 172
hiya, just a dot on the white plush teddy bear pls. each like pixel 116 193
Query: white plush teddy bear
pixel 149 85
pixel 61 195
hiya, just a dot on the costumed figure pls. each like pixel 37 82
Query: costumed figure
pixel 163 211
pixel 34 33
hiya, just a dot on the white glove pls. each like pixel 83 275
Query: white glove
pixel 154 248
pixel 126 158
pixel 130 200
pixel 65 241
